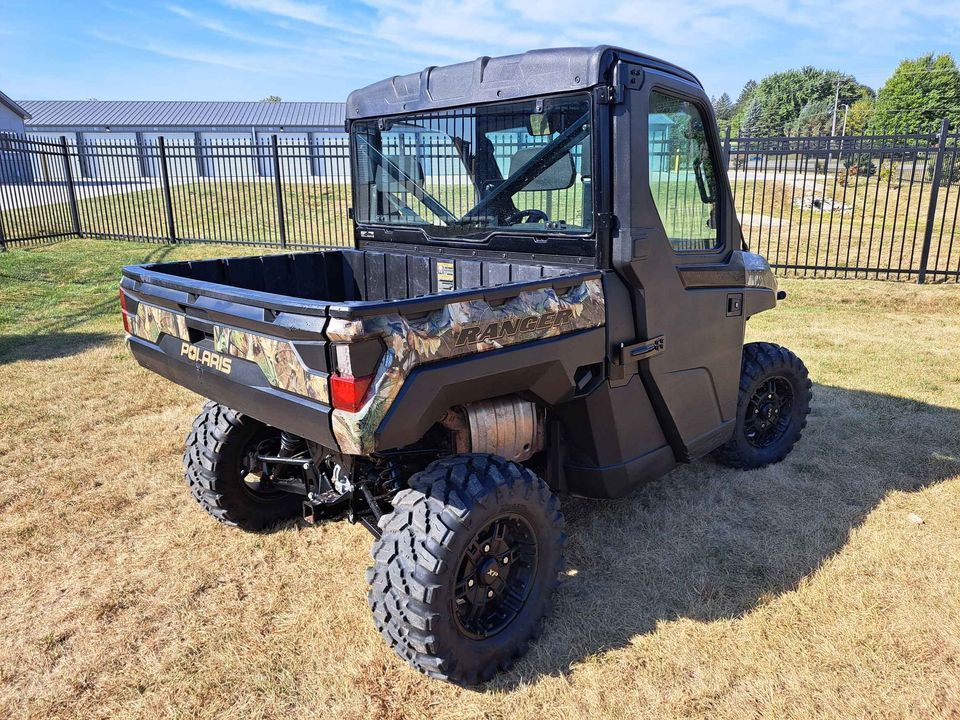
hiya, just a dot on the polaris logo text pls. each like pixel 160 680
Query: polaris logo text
pixel 509 328
pixel 205 357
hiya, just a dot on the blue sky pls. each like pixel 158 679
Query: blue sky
pixel 300 50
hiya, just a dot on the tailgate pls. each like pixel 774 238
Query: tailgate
pixel 249 350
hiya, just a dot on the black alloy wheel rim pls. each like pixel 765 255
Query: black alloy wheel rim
pixel 769 412
pixel 495 577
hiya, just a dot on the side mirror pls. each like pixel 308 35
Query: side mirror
pixel 543 123
pixel 559 176
pixel 705 194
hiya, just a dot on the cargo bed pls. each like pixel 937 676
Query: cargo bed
pixel 264 334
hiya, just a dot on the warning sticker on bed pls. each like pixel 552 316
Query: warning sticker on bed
pixel 446 281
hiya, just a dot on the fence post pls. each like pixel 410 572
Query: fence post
pixel 167 198
pixel 932 208
pixel 726 149
pixel 71 190
pixel 3 237
pixel 279 189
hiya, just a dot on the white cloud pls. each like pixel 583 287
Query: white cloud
pixel 313 13
pixel 724 41
pixel 232 60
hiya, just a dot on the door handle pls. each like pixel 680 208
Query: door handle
pixel 642 350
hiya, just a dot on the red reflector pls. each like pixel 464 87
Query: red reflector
pixel 124 314
pixel 347 392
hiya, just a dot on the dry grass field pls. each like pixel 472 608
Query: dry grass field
pixel 805 590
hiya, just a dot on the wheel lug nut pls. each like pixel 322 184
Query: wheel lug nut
pixel 486 548
pixel 470 583
pixel 489 593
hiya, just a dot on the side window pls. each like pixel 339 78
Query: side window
pixel 682 174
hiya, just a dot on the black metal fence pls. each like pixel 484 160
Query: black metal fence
pixel 879 205
pixel 280 194
pixel 868 206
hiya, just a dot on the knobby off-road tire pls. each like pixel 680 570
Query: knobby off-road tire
pixel 216 463
pixel 772 406
pixel 453 513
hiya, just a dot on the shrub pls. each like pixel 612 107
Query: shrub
pixel 951 169
pixel 888 173
pixel 860 164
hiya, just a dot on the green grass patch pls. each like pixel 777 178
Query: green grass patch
pixel 58 297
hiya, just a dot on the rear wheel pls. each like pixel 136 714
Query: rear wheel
pixel 220 467
pixel 772 406
pixel 466 566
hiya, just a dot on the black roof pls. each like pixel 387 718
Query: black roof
pixel 486 79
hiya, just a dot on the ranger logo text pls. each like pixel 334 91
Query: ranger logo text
pixel 508 328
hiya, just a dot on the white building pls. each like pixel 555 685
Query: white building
pixel 12 115
pixel 204 139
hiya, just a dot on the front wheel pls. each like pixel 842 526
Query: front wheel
pixel 772 406
pixel 466 566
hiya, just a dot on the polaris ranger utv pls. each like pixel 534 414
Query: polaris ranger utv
pixel 546 297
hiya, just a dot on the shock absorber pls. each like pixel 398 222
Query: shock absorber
pixel 290 444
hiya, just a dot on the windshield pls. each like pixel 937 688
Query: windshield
pixel 519 166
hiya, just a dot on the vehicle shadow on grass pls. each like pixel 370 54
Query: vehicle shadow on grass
pixel 49 346
pixel 709 543
pixel 55 337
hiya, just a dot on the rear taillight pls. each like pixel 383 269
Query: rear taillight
pixel 347 392
pixel 124 314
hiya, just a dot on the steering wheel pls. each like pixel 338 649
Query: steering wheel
pixel 532 215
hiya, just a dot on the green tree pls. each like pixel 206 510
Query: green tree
pixel 748 89
pixel 860 115
pixel 815 118
pixel 919 94
pixel 723 108
pixel 783 96
pixel 752 115
pixel 272 99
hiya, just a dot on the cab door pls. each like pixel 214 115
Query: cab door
pixel 677 246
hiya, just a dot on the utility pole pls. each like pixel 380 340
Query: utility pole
pixel 836 101
pixel 843 131
pixel 833 128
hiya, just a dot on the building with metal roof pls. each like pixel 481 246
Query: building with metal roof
pixel 69 116
pixel 12 115
pixel 114 137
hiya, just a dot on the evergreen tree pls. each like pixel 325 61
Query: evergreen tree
pixel 723 108
pixel 816 118
pixel 752 115
pixel 746 93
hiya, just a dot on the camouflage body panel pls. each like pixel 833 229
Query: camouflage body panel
pixel 277 359
pixel 460 328
pixel 151 322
